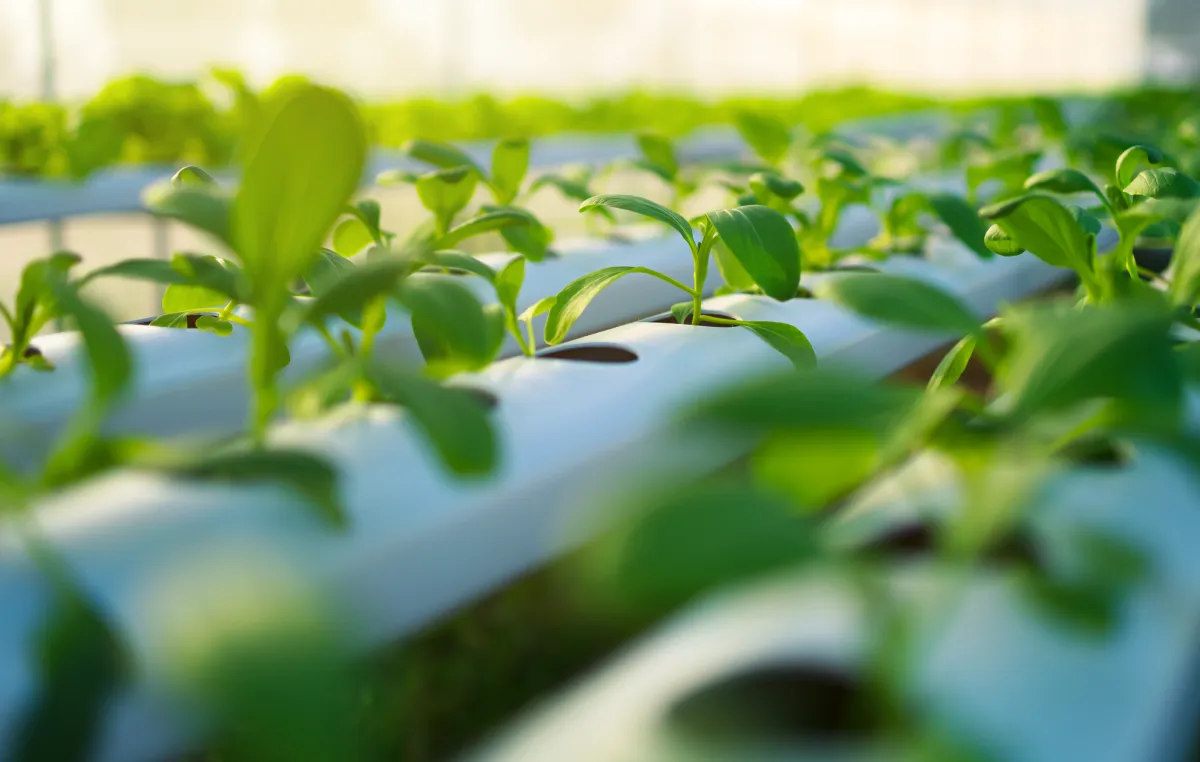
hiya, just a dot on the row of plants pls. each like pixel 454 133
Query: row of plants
pixel 303 162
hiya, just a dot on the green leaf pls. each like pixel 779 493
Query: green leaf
pixel 392 177
pixel 303 166
pixel 1163 183
pixel 369 213
pixel 449 324
pixel 578 294
pixel 460 261
pixel 80 664
pixel 692 540
pixel 962 219
pixel 954 364
pixel 646 208
pixel 767 184
pixel 540 307
pixel 186 299
pixel 172 320
pixel 214 325
pixel 1185 285
pixel 508 283
pixel 732 272
pixel 109 362
pixel 351 236
pixel 1046 228
pixel 192 175
pixel 205 208
pixel 441 155
pixel 311 476
pixel 532 241
pixel 150 270
pixel 1132 160
pixel 356 287
pixel 210 282
pixel 485 223
pixel 453 420
pixel 786 339
pixel 447 192
pixel 510 162
pixel 767 136
pixel 1064 181
pixel 762 240
pixel 327 269
pixel 1000 242
pixel 900 301
pixel 1062 357
pixel 659 152
pixel 815 468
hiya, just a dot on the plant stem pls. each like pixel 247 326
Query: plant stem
pixel 701 274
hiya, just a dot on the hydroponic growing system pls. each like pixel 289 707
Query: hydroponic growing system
pixel 887 435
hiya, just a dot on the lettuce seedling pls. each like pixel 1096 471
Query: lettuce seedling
pixel 505 182
pixel 660 158
pixel 760 239
pixel 905 230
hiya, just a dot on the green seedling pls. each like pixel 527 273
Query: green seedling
pixel 660 158
pixel 905 225
pixel 506 182
pixel 758 238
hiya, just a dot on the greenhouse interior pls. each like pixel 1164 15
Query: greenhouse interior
pixel 637 381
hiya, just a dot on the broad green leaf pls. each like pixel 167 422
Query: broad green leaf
pixel 303 167
pixel 767 136
pixel 485 223
pixel 1063 356
pixel 1044 227
pixel 659 152
pixel 510 162
pixel 440 155
pixel 687 542
pixel 369 213
pixel 765 184
pixel 732 272
pixel 578 294
pixel 192 175
pixel 351 236
pixel 1089 222
pixel 1000 242
pixel 179 299
pixel 1050 117
pixel 150 270
pixel 813 467
pixel 310 476
pixel 447 192
pixel 80 665
pixel 646 208
pixel 172 320
pixel 460 261
pixel 327 269
pixel 963 220
pixel 1185 285
pixel 764 243
pixel 508 283
pixel 210 282
pixel 356 287
pixel 1163 183
pixel 455 423
pixel 786 339
pixel 1065 181
pixel 110 364
pixel 214 325
pixel 900 301
pixel 449 324
pixel 954 364
pixel 204 208
pixel 1131 161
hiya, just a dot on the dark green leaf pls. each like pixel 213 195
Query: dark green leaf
pixel 766 184
pixel 767 136
pixel 1046 228
pixel 508 283
pixel 510 162
pixel 1185 285
pixel 764 243
pixel 786 339
pixel 962 219
pixel 532 241
pixel 453 420
pixel 460 261
pixel 204 208
pixel 109 362
pixel 151 270
pixel 440 155
pixel 659 152
pixel 356 287
pixel 450 325
pixel 900 301
pixel 646 208
pixel 1065 181
pixel 732 272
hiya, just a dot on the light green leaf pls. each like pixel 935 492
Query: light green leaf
pixel 767 184
pixel 355 287
pixel 766 135
pixel 110 364
pixel 954 364
pixel 510 162
pixel 764 243
pixel 185 299
pixel 540 307
pixel 1065 181
pixel 447 192
pixel 192 175
pixel 351 236
pixel 1046 228
pixel 204 208
pixel 962 219
pixel 209 282
pixel 1132 159
pixel 1163 183
pixel 659 152
pixel 899 301
pixel 150 270
pixel 440 155
pixel 578 294
pixel 302 169
pixel 485 223
pixel 1000 242
pixel 532 241
pixel 460 261
pixel 646 208
pixel 508 283
pixel 786 339
pixel 734 275
pixel 1185 285
pixel 454 422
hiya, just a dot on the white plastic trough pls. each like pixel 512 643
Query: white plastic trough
pixel 421 543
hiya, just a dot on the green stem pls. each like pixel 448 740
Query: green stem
pixel 227 310
pixel 701 274
pixel 332 342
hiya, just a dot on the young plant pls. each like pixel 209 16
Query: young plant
pixel 660 158
pixel 36 305
pixel 506 182
pixel 905 225
pixel 759 238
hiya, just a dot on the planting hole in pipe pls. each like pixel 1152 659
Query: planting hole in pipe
pixel 191 319
pixel 670 320
pixel 776 703
pixel 608 354
pixel 1154 260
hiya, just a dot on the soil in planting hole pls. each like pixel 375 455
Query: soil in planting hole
pixel 670 320
pixel 915 540
pixel 607 354
pixel 191 319
pixel 1154 260
pixel 779 703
